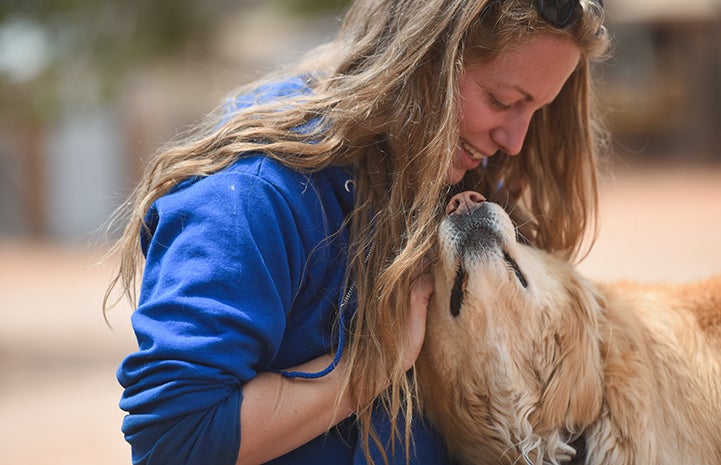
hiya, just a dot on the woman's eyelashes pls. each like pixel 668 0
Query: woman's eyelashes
pixel 496 103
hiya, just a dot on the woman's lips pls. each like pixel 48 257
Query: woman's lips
pixel 474 154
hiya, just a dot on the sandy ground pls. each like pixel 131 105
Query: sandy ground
pixel 58 394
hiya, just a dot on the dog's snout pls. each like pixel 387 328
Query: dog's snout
pixel 465 202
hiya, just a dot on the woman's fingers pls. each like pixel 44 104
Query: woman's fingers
pixel 421 292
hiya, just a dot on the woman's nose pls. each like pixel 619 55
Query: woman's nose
pixel 510 135
pixel 464 202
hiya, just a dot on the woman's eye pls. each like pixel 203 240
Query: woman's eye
pixel 493 100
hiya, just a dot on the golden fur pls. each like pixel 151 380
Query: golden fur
pixel 626 373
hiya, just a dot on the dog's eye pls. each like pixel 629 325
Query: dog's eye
pixel 516 269
pixel 459 287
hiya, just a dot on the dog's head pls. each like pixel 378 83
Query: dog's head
pixel 511 344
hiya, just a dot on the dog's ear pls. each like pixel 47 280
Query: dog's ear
pixel 573 390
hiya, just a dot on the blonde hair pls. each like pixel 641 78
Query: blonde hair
pixel 384 100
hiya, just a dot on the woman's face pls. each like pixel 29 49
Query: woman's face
pixel 498 98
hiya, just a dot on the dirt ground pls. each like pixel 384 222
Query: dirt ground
pixel 58 394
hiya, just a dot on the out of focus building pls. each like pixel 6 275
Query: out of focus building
pixel 662 87
pixel 74 138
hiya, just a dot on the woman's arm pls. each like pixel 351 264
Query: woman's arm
pixel 279 414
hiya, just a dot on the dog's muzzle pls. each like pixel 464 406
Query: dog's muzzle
pixel 477 231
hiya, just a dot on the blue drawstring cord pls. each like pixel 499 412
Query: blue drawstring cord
pixel 348 185
pixel 339 351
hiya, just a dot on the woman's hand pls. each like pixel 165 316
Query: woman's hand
pixel 422 286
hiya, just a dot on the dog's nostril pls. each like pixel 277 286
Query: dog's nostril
pixel 453 206
pixel 464 202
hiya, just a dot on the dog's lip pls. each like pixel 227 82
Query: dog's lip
pixel 511 262
pixel 458 291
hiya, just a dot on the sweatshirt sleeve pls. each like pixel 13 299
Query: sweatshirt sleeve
pixel 225 259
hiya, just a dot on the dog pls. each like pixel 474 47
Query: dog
pixel 525 361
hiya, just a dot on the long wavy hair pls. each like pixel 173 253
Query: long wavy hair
pixel 384 100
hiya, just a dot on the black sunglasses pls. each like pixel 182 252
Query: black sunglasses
pixel 557 12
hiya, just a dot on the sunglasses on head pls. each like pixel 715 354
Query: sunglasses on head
pixel 557 12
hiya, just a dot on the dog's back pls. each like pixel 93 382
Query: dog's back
pixel 703 300
pixel 661 348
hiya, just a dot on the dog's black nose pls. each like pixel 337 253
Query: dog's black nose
pixel 465 202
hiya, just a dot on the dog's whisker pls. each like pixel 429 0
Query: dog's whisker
pixel 520 237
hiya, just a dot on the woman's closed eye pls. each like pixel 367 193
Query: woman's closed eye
pixel 497 103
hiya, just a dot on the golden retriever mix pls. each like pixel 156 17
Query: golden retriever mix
pixel 527 362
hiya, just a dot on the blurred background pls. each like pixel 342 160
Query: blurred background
pixel 89 89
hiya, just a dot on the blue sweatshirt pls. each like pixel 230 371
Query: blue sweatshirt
pixel 244 274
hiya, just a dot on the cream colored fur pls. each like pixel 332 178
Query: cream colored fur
pixel 635 370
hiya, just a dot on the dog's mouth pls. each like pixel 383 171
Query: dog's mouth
pixel 480 235
pixel 516 269
pixel 458 291
pixel 460 282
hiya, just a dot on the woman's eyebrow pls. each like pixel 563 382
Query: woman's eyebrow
pixel 517 88
pixel 526 95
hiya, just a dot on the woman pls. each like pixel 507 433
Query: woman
pixel 285 248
